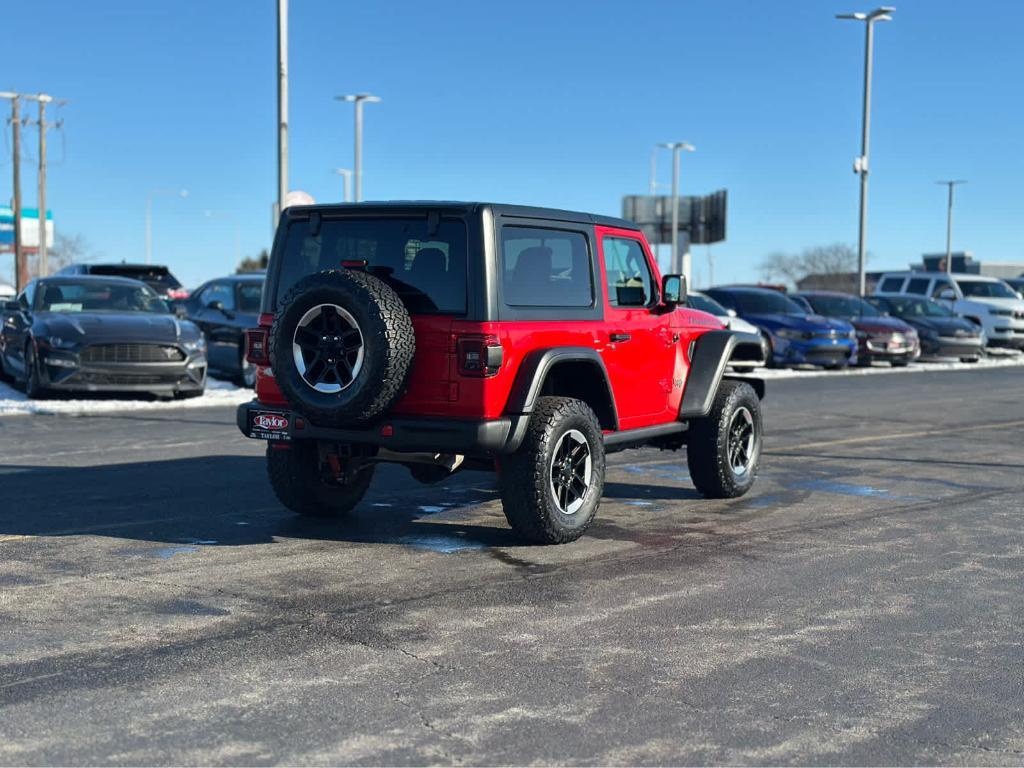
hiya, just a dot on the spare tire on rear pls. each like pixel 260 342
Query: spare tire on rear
pixel 341 347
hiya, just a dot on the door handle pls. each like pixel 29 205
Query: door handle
pixel 620 337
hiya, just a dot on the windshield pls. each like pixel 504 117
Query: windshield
pixel 913 307
pixel 766 303
pixel 425 265
pixel 706 304
pixel 97 296
pixel 841 306
pixel 984 289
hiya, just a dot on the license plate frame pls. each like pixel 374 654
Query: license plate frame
pixel 271 425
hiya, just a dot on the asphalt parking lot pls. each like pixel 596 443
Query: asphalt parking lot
pixel 862 606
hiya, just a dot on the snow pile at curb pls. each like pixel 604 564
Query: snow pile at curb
pixel 14 403
pixel 1001 359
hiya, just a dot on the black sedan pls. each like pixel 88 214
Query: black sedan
pixel 224 308
pixel 99 334
pixel 942 332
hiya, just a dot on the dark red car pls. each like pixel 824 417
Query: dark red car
pixel 529 341
pixel 879 337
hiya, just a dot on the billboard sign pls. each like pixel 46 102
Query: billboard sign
pixel 29 228
pixel 702 218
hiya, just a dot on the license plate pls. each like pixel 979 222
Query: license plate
pixel 269 425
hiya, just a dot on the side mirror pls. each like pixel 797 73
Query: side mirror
pixel 215 304
pixel 947 294
pixel 673 290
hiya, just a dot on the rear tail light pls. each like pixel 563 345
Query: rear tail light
pixel 479 354
pixel 257 341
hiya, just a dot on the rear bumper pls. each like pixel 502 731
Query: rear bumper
pixel 406 434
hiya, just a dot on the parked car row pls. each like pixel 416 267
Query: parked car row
pixel 912 315
pixel 133 327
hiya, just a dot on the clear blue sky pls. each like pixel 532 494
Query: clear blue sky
pixel 546 103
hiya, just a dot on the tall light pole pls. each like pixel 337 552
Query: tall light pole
pixel 183 193
pixel 359 99
pixel 282 103
pixel 860 165
pixel 346 174
pixel 949 221
pixel 678 265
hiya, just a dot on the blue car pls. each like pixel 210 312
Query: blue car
pixel 794 335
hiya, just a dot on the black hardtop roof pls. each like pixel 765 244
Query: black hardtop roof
pixel 744 289
pixel 498 209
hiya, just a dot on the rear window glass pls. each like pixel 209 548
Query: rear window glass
pixel 426 268
pixel 158 278
pixel 545 268
pixel 891 285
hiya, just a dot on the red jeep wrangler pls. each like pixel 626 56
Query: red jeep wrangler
pixel 530 341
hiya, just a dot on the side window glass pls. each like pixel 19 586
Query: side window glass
pixel 627 273
pixel 918 285
pixel 940 286
pixel 545 268
pixel 892 285
pixel 218 292
pixel 249 297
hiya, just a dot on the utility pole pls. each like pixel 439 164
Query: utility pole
pixel 358 99
pixel 860 165
pixel 282 103
pixel 677 262
pixel 44 262
pixel 949 221
pixel 20 267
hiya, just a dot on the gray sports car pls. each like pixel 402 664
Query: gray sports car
pixel 95 334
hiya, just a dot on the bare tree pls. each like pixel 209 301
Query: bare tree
pixel 66 249
pixel 829 265
pixel 254 263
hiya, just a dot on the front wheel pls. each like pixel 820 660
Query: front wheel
pixel 33 379
pixel 723 449
pixel 295 476
pixel 552 485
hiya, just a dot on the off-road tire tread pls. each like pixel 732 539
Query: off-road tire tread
pixel 394 333
pixel 524 474
pixel 706 452
pixel 293 478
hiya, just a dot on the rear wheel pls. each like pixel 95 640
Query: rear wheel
pixel 723 449
pixel 299 485
pixel 552 485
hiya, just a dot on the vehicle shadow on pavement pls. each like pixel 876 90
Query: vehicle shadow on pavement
pixel 226 501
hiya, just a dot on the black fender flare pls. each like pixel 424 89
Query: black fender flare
pixel 534 369
pixel 710 354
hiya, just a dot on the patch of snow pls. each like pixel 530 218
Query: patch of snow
pixel 1008 358
pixel 15 403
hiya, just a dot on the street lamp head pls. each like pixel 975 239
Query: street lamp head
pixel 678 145
pixel 879 14
pixel 369 97
pixel 183 193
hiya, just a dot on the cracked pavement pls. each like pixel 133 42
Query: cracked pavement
pixel 861 606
